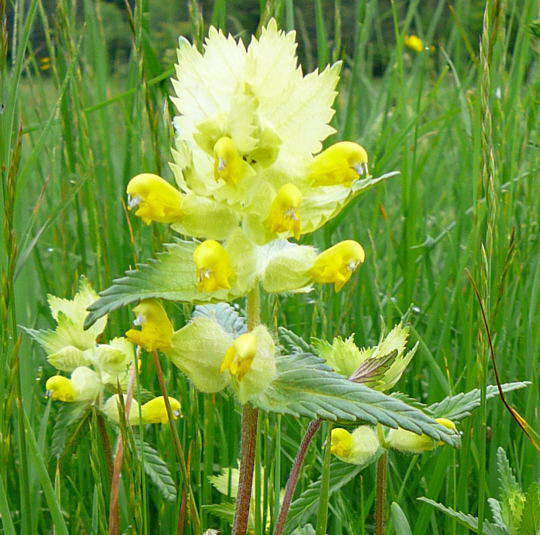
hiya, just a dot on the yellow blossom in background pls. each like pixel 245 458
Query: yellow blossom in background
pixel 213 266
pixel 60 388
pixel 358 447
pixel 45 63
pixel 154 199
pixel 341 164
pixel 338 263
pixel 284 211
pixel 409 442
pixel 156 329
pixel 414 43
pixel 154 412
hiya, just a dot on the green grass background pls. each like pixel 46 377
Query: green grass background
pixel 462 129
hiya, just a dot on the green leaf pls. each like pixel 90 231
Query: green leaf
pixel 172 276
pixel 468 521
pixel 292 343
pixel 496 511
pixel 303 507
pixel 530 520
pixel 156 469
pixel 512 497
pixel 306 386
pixel 69 422
pixel 413 402
pixel 226 315
pixel 401 524
pixel 461 405
pixel 225 511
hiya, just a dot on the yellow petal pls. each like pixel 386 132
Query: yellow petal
pixel 228 165
pixel 213 266
pixel 337 264
pixel 342 163
pixel 60 388
pixel 156 329
pixel 154 198
pixel 284 211
pixel 154 412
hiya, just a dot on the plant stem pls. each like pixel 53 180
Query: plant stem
pixel 177 446
pixel 380 497
pixel 107 450
pixel 249 435
pixel 118 458
pixel 322 513
pixel 294 475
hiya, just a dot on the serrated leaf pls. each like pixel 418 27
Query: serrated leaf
pixel 496 511
pixel 66 425
pixel 306 386
pixel 466 520
pixel 225 511
pixel 226 315
pixel 292 343
pixel 512 498
pixel 306 505
pixel 530 519
pixel 172 276
pixel 461 405
pixel 156 469
pixel 413 402
pixel 401 524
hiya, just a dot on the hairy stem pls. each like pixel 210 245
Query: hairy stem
pixel 249 435
pixel 380 496
pixel 107 450
pixel 194 514
pixel 294 475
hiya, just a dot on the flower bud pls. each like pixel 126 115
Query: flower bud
pixel 337 264
pixel 284 211
pixel 213 265
pixel 112 409
pixel 409 442
pixel 154 198
pixel 154 412
pixel 59 388
pixel 156 329
pixel 251 363
pixel 357 447
pixel 228 164
pixel 340 164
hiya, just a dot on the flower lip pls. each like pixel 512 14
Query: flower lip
pixel 213 266
pixel 240 355
pixel 134 201
pixel 284 211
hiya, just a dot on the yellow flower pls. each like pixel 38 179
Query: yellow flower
pixel 59 388
pixel 414 43
pixel 156 329
pixel 213 265
pixel 154 198
pixel 250 362
pixel 228 164
pixel 342 164
pixel 409 442
pixel 337 264
pixel 154 412
pixel 357 447
pixel 284 215
pixel 240 355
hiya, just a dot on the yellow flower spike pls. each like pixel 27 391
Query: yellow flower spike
pixel 340 164
pixel 156 329
pixel 59 388
pixel 341 442
pixel 284 214
pixel 240 355
pixel 154 412
pixel 228 164
pixel 154 198
pixel 337 264
pixel 213 265
pixel 414 43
